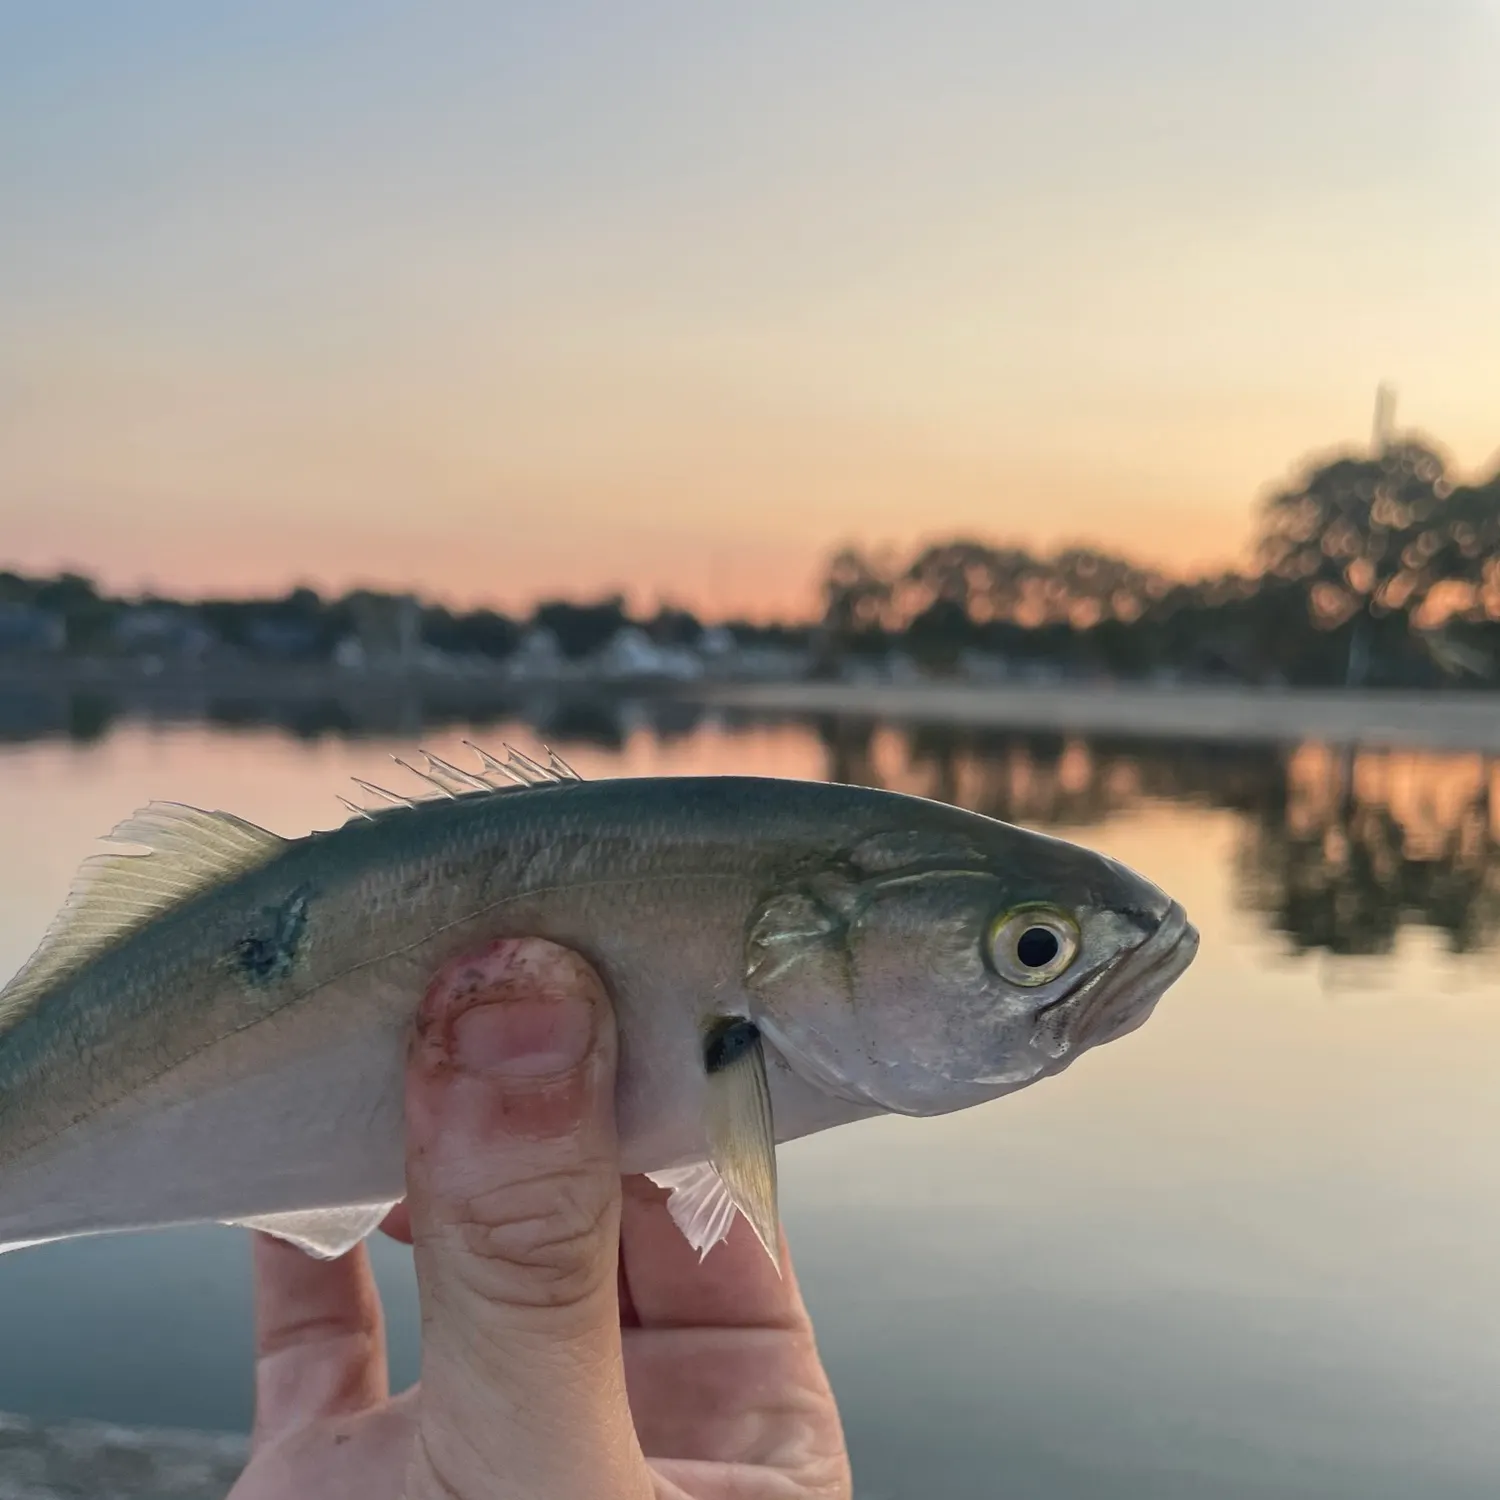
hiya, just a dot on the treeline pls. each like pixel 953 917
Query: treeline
pixel 1375 570
pixel 1368 570
pixel 305 625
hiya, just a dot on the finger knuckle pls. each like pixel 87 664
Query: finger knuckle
pixel 546 1241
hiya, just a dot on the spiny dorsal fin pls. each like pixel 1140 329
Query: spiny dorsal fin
pixel 449 782
pixel 188 851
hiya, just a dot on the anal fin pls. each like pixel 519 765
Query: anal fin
pixel 325 1233
pixel 700 1204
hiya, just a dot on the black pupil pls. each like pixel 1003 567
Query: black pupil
pixel 1037 947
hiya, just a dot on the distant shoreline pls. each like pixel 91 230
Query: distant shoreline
pixel 278 680
pixel 387 701
pixel 1436 721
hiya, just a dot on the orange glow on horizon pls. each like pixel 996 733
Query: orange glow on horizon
pixel 497 321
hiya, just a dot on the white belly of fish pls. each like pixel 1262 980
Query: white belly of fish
pixel 297 1125
pixel 303 1110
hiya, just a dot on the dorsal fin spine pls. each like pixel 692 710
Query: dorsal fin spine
pixel 453 783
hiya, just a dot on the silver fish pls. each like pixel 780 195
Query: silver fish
pixel 214 1029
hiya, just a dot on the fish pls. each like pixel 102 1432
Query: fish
pixel 214 1027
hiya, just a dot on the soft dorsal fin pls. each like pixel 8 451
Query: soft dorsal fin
pixel 187 852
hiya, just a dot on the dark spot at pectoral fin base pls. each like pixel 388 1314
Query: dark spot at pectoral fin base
pixel 729 1042
pixel 269 951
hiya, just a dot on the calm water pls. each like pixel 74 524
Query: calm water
pixel 1249 1251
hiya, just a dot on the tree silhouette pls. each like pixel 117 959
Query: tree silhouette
pixel 982 582
pixel 1466 550
pixel 1083 586
pixel 1364 539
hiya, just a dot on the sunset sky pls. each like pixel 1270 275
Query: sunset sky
pixel 502 300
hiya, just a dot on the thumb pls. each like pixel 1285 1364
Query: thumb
pixel 514 1193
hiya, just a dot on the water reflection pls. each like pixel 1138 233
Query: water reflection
pixel 359 709
pixel 1243 1255
pixel 1339 848
pixel 1360 842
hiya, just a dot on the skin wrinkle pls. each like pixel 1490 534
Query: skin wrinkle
pixel 532 1112
pixel 560 1258
pixel 348 1390
pixel 558 1338
pixel 435 1470
pixel 325 1328
pixel 348 1338
pixel 576 1386
pixel 779 1428
pixel 511 1369
pixel 714 1480
pixel 546 1422
pixel 781 1436
pixel 548 1425
pixel 476 1341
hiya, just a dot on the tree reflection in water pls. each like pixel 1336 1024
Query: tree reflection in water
pixel 1340 847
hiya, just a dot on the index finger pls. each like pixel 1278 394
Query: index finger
pixel 319 1337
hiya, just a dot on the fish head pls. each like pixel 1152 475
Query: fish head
pixel 927 970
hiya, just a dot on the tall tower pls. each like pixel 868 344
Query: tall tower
pixel 1383 428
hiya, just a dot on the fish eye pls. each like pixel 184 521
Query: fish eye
pixel 1033 945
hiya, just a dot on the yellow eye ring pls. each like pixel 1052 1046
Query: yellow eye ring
pixel 1032 945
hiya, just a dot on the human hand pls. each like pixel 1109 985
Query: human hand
pixel 573 1348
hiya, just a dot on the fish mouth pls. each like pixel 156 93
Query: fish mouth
pixel 1120 997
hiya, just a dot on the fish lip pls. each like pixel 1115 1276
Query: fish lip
pixel 1120 995
pixel 1160 963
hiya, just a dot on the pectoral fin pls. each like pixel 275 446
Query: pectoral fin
pixel 741 1170
pixel 325 1233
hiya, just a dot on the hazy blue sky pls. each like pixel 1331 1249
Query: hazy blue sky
pixel 499 300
